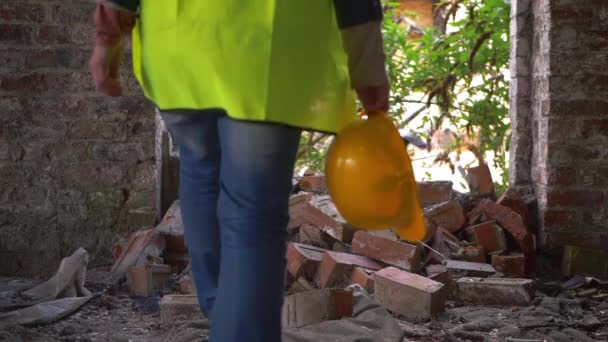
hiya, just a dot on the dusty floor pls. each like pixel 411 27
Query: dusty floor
pixel 114 316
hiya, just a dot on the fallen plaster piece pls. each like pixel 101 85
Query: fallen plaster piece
pixel 45 313
pixel 68 281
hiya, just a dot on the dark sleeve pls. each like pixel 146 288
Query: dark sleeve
pixel 356 12
pixel 131 5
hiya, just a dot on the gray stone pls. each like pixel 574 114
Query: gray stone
pixel 551 305
pixel 469 269
pixel 577 335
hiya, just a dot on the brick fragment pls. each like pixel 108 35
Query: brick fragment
pixel 175 308
pixel 364 278
pixel 580 260
pixel 494 291
pixel 396 253
pixel 430 193
pixel 314 236
pixel 409 294
pixel 314 183
pixel 134 252
pixel 513 265
pixel 303 212
pixel 336 268
pixel 448 215
pixel 439 273
pixel 489 235
pixel 460 269
pixel 303 261
pixel 316 306
pixel 513 200
pixel 147 280
pixel 300 285
pixel 480 180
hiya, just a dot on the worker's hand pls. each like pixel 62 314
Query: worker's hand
pixel 111 24
pixel 374 99
pixel 105 68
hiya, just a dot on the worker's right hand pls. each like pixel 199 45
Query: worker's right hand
pixel 374 99
pixel 111 24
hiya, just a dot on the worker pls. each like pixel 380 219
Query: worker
pixel 236 82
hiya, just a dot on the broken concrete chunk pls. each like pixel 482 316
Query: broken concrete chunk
pixel 495 291
pixel 409 294
pixel 430 193
pixel 147 280
pixel 448 215
pixel 396 253
pixel 303 261
pixel 579 260
pixel 175 308
pixel 513 265
pixel 336 268
pixel 469 269
pixel 489 235
pixel 363 277
pixel 306 308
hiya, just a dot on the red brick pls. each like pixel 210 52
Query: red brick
pixel 480 179
pixel 506 218
pixel 135 248
pixel 580 107
pixel 147 280
pixel 585 199
pixel 396 253
pixel 15 34
pixel 336 268
pixel 471 254
pixel 409 294
pixel 305 213
pixel 514 200
pixel 565 154
pixel 579 260
pixel 561 176
pixel 24 83
pixel 559 218
pixel 430 193
pixel 364 278
pixel 314 236
pixel 15 11
pixel 489 235
pixel 313 184
pixel 448 215
pixel 439 273
pixel 50 35
pixel 303 261
pixel 306 308
pixel 510 265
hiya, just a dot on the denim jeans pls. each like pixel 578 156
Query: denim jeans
pixel 235 180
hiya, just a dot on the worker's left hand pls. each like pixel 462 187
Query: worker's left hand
pixel 111 25
pixel 105 68
pixel 374 98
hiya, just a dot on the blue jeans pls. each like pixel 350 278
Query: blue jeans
pixel 235 180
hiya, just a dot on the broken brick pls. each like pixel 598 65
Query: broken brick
pixel 579 260
pixel 141 244
pixel 364 278
pixel 302 261
pixel 300 285
pixel 314 236
pixel 409 294
pixel 489 235
pixel 494 291
pixel 147 280
pixel 396 253
pixel 430 193
pixel 316 306
pixel 448 215
pixel 480 179
pixel 510 265
pixel 186 285
pixel 175 308
pixel 471 254
pixel 313 184
pixel 513 200
pixel 439 273
pixel 460 269
pixel 305 213
pixel 336 268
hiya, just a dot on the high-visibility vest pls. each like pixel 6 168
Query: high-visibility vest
pixel 278 61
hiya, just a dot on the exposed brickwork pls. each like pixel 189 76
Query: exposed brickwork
pixel 560 118
pixel 76 168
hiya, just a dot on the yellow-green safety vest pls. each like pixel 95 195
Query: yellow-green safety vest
pixel 278 61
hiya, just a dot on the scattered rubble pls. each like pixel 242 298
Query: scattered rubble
pixel 471 280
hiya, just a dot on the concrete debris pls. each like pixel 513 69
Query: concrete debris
pixel 174 308
pixel 495 291
pixel 460 269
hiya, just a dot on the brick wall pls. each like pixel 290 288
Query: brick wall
pixel 567 118
pixel 76 168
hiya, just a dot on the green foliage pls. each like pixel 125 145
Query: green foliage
pixel 455 77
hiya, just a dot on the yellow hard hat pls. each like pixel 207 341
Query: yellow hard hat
pixel 371 181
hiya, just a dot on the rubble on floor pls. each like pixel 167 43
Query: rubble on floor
pixel 473 279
